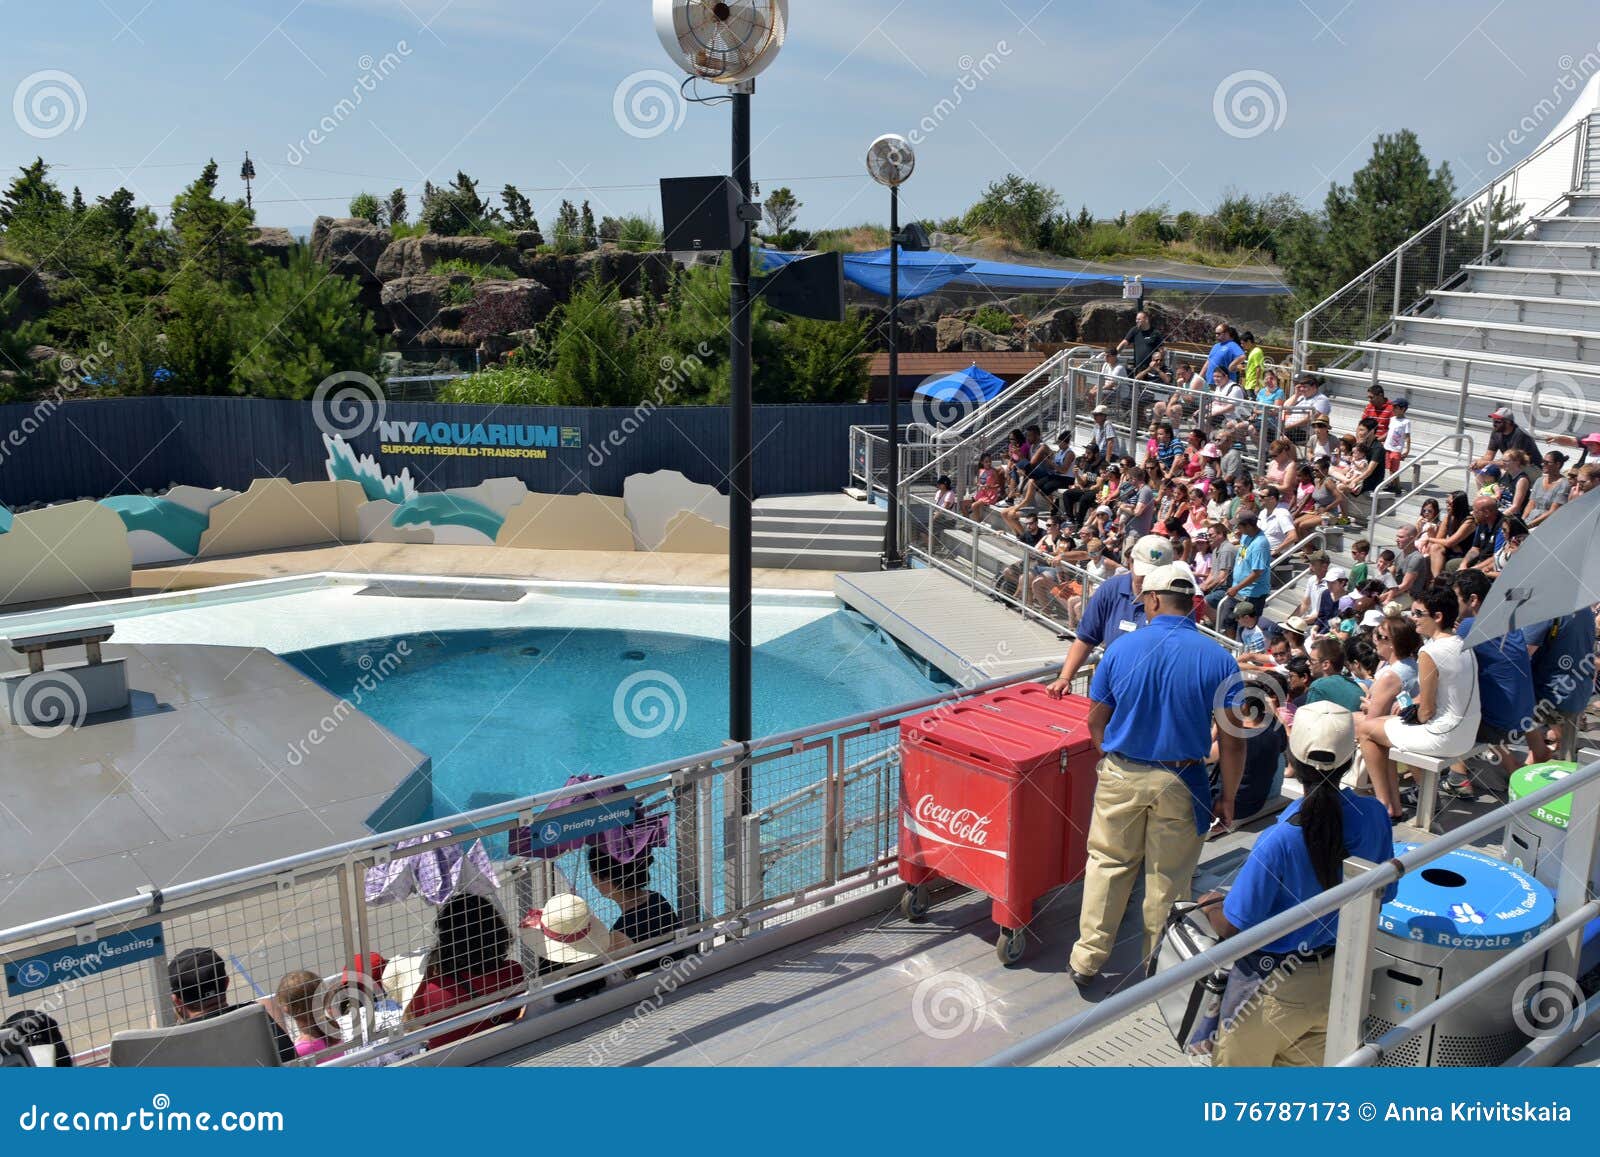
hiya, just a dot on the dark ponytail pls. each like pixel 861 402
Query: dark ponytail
pixel 1321 818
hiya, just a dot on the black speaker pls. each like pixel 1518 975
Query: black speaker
pixel 700 213
pixel 807 287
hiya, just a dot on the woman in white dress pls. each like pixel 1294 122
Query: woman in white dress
pixel 1447 708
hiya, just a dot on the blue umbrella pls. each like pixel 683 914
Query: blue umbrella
pixel 951 397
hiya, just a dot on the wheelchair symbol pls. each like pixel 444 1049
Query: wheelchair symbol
pixel 550 833
pixel 32 974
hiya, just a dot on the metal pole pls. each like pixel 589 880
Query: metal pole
pixel 740 474
pixel 891 548
pixel 1352 967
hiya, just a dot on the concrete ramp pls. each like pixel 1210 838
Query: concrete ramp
pixel 969 636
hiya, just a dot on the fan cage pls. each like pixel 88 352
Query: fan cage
pixel 728 49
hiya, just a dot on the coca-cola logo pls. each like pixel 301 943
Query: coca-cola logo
pixel 960 823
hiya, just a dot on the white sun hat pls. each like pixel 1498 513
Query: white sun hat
pixel 566 930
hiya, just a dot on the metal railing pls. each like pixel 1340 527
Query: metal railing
pixel 1399 284
pixel 1357 902
pixel 820 822
pixel 997 564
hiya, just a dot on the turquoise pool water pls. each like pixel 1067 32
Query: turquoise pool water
pixel 508 712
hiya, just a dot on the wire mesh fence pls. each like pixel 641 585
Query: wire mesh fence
pixel 374 951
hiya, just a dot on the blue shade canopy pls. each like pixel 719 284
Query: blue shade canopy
pixel 920 273
pixel 925 273
pixel 973 384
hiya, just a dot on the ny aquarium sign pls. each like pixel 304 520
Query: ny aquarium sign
pixel 477 440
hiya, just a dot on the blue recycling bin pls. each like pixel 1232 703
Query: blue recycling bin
pixel 1448 922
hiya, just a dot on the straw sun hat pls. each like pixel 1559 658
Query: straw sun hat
pixel 568 930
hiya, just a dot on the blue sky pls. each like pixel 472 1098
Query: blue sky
pixel 1114 104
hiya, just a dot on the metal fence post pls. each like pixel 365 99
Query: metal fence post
pixel 686 837
pixel 1399 270
pixel 1352 967
pixel 1488 222
pixel 833 821
pixel 866 458
pixel 1577 870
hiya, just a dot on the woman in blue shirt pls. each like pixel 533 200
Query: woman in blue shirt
pixel 1294 861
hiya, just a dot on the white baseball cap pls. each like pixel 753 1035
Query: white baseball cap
pixel 1323 736
pixel 1151 553
pixel 1174 579
pixel 1371 619
pixel 1335 573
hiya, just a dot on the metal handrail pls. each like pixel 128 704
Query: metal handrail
pixel 335 854
pixel 1373 1052
pixel 1580 128
pixel 1422 483
pixel 1368 883
pixel 1001 414
pixel 978 419
pixel 1025 556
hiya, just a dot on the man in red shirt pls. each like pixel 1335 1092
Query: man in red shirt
pixel 1379 407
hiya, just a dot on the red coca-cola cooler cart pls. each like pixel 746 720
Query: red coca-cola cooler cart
pixel 996 794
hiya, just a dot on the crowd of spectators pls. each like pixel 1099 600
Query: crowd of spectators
pixel 1382 637
pixel 473 960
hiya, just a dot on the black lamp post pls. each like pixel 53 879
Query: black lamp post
pixel 891 161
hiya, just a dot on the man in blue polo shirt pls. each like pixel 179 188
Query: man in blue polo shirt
pixel 1156 693
pixel 1115 608
pixel 1505 692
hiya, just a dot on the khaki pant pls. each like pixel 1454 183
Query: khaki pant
pixel 1142 815
pixel 1285 1023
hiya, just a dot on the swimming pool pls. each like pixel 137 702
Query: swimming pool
pixel 512 688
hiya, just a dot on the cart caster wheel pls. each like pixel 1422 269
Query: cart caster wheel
pixel 914 904
pixel 1010 946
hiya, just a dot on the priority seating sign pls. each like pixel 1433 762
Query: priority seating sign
pixel 34 973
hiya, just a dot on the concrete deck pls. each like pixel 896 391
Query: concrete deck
pixel 883 991
pixel 701 570
pixel 196 778
pixel 947 623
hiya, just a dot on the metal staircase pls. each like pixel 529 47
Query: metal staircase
pixel 1495 303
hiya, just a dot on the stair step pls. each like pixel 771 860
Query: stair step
pixel 777 524
pixel 763 539
pixel 831 560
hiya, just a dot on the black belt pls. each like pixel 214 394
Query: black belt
pixel 1181 765
pixel 1261 963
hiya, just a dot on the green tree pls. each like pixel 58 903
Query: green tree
pixel 396 210
pixel 638 233
pixel 213 233
pixel 200 345
pixel 569 229
pixel 591 234
pixel 518 210
pixel 119 212
pixel 597 360
pixel 31 194
pixel 1394 195
pixel 367 207
pixel 20 376
pixel 455 209
pixel 782 210
pixel 824 361
pixel 297 327
pixel 1014 208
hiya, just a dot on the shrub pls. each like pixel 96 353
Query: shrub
pixel 993 319
pixel 512 386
